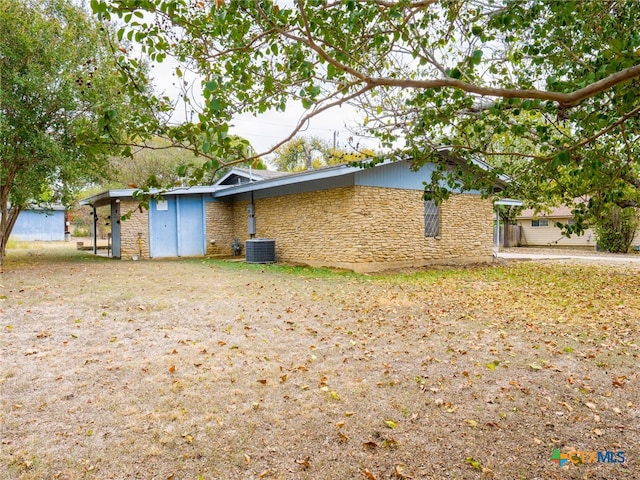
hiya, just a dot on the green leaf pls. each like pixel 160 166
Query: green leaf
pixel 215 105
pixel 391 424
pixel 473 462
pixel 562 158
pixel 476 58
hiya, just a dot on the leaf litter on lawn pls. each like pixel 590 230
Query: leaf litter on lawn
pixel 239 372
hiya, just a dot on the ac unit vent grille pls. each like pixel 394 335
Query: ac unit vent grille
pixel 260 250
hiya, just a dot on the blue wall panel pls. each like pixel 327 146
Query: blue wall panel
pixel 176 226
pixel 395 175
pixel 163 226
pixel 191 239
pixel 37 225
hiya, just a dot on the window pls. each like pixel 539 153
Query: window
pixel 431 219
pixel 539 223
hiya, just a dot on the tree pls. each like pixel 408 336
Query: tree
pixel 60 105
pixel 430 75
pixel 616 230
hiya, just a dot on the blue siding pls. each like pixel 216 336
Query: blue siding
pixel 38 225
pixel 163 237
pixel 395 175
pixel 176 229
pixel 191 239
pixel 398 175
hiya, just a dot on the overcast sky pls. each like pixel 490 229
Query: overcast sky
pixel 272 127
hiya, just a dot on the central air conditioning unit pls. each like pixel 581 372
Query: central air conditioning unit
pixel 260 250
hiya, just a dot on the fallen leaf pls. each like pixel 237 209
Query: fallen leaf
pixel 187 437
pixel 567 406
pixel 391 443
pixel 349 414
pixel 391 423
pixel 619 381
pixel 172 368
pixel 473 462
pixel 262 381
pixel 247 459
pixel 305 462
pixel 398 471
pixel 472 423
pixel 370 445
pixel 369 475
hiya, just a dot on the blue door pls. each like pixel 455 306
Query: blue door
pixel 191 241
pixel 163 225
pixel 176 226
pixel 115 229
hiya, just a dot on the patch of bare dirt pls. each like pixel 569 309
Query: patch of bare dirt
pixel 198 369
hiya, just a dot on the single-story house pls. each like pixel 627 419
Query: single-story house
pixel 539 229
pixel 363 219
pixel 40 224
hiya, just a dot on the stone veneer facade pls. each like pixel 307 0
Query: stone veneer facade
pixel 130 243
pixel 359 228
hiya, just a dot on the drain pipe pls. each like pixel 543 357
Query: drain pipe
pixel 95 229
pixel 251 221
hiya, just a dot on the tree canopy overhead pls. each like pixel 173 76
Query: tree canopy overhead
pixel 61 105
pixel 468 76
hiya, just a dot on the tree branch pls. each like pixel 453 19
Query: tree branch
pixel 565 100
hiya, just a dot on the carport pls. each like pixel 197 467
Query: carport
pixel 173 226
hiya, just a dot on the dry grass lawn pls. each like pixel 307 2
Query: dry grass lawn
pixel 199 369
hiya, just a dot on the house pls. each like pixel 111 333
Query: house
pixel 362 219
pixel 539 229
pixel 40 224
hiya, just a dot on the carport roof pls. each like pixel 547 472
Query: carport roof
pixel 104 198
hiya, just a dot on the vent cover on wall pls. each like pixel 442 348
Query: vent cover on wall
pixel 260 250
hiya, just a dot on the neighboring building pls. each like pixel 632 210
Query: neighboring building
pixel 40 224
pixel 540 229
pixel 347 217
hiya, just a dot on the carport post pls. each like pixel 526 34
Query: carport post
pixel 505 201
pixel 95 230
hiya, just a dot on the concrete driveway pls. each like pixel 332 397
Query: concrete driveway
pixel 586 256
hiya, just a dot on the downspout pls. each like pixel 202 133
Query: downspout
pixel 251 222
pixel 95 229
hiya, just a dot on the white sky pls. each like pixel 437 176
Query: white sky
pixel 265 131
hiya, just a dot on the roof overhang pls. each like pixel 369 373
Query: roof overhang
pixel 306 176
pixel 105 198
pixel 510 202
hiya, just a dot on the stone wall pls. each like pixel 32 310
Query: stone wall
pixel 131 227
pixel 369 228
pixel 220 227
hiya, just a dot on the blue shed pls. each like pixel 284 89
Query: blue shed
pixel 45 224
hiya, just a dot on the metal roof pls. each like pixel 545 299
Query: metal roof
pixel 299 177
pixel 218 190
pixel 104 198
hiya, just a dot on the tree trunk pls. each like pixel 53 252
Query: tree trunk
pixel 8 218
